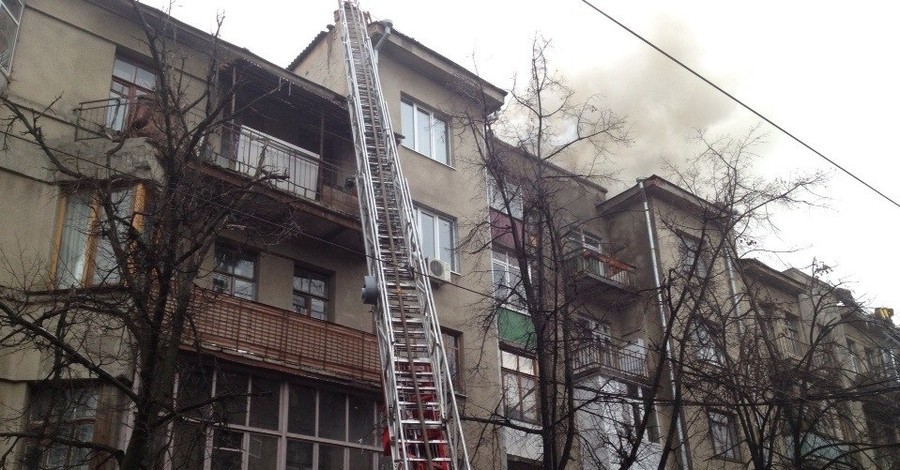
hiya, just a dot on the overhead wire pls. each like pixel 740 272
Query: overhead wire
pixel 743 104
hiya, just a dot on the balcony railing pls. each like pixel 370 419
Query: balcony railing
pixel 822 353
pixel 289 167
pixel 250 330
pixel 597 264
pixel 605 354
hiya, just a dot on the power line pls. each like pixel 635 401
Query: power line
pixel 741 103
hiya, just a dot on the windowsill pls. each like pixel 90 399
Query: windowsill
pixel 416 152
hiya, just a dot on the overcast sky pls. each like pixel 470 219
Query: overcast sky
pixel 826 72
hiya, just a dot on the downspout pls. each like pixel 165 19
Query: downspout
pixel 657 284
pixel 732 286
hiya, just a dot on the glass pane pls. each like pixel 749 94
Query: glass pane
pixel 529 399
pixel 233 388
pixel 221 283
pixel 423 132
pixel 301 283
pixel 145 79
pixel 264 403
pixel 299 455
pixel 245 267
pixel 511 395
pixel 302 410
pixel 72 248
pixel 362 421
pixel 508 360
pixel 15 7
pixel 244 289
pixel 426 225
pixel 445 235
pixel 263 452
pixel 440 141
pixel 188 445
pixel 406 124
pixel 300 304
pixel 226 453
pixel 8 29
pixel 332 415
pixel 361 459
pixel 124 70
pixel 317 287
pixel 317 309
pixel 331 457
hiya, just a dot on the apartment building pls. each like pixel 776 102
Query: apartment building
pixel 277 365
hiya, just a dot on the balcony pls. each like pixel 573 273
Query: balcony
pixel 819 357
pixel 608 356
pixel 290 169
pixel 254 333
pixel 602 275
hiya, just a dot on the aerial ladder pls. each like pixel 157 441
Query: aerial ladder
pixel 423 426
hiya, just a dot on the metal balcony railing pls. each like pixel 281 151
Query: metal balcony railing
pixel 606 354
pixel 251 330
pixel 597 264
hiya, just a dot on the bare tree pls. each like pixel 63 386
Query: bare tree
pixel 143 210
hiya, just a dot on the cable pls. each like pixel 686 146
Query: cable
pixel 246 214
pixel 741 103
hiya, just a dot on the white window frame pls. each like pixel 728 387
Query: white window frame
pixel 437 218
pixel 508 265
pixel 282 433
pixel 693 249
pixel 707 349
pixel 17 20
pixel 520 368
pixel 722 425
pixel 412 138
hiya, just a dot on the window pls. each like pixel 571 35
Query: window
pixel 723 431
pixel 129 82
pixel 792 337
pixel 513 193
pixel 692 252
pixel 853 356
pixel 640 400
pixel 310 293
pixel 437 236
pixel 424 132
pixel 451 341
pixel 69 414
pixel 707 347
pixel 86 255
pixel 10 15
pixel 507 280
pixel 274 425
pixel 519 386
pixel 235 272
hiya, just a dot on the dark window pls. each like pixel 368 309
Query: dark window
pixel 452 346
pixel 310 293
pixel 723 432
pixel 235 272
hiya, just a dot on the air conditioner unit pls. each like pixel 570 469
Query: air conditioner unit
pixel 438 270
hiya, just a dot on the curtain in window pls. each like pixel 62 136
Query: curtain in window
pixel 106 266
pixel 73 246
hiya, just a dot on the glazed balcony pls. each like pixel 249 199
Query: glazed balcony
pixel 608 356
pixel 259 334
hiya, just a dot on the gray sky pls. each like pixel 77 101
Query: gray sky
pixel 826 72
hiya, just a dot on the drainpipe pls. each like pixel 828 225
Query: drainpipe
pixel 732 286
pixel 657 284
pixel 387 32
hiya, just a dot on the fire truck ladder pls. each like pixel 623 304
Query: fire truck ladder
pixel 422 416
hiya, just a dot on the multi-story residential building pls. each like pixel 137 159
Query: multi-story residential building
pixel 278 363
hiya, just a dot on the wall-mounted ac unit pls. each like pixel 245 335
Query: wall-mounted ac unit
pixel 438 270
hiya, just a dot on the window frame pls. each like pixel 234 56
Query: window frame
pixel 708 350
pixel 14 39
pixel 310 296
pixel 495 199
pixel 693 249
pixel 411 140
pixel 239 252
pixel 281 432
pixel 437 218
pixel 518 411
pixel 455 364
pixel 724 450
pixel 516 297
pixel 67 418
pixel 92 230
pixel 117 118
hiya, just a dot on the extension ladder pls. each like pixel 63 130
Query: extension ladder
pixel 423 427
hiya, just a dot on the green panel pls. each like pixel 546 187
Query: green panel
pixel 514 327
